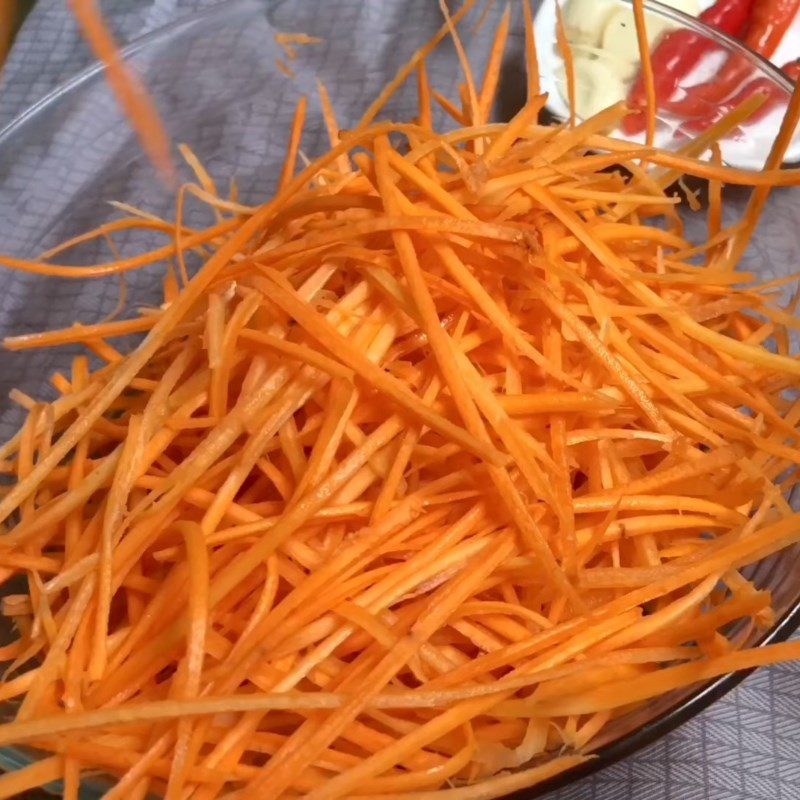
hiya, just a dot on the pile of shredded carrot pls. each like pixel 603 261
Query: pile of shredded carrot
pixel 451 454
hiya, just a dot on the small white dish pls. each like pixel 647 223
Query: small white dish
pixel 747 151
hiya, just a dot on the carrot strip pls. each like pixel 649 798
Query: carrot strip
pixel 35 775
pixel 470 109
pixel 136 103
pixel 613 695
pixel 492 74
pixel 647 69
pixel 298 123
pixel 531 57
pixel 496 787
pixel 197 557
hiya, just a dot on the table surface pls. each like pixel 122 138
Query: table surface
pixel 747 745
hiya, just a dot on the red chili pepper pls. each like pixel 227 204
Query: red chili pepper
pixel 768 24
pixel 770 21
pixel 703 99
pixel 679 52
pixel 729 17
pixel 792 70
pixel 758 86
pixel 775 98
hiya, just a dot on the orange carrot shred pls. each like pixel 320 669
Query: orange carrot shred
pixel 136 103
pixel 647 69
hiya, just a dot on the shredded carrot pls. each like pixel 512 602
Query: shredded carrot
pixel 284 68
pixel 531 58
pixel 13 784
pixel 647 68
pixel 492 75
pixel 470 107
pixel 289 41
pixel 136 103
pixel 445 458
pixel 294 142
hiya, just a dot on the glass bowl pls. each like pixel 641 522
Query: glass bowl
pixel 216 80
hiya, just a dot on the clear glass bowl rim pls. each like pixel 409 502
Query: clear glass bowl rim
pixel 223 8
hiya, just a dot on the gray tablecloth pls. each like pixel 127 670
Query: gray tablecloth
pixel 747 745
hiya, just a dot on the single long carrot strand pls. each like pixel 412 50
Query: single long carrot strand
pixel 136 103
pixel 117 267
pixel 295 134
pixel 79 333
pixel 531 57
pixel 647 69
pixel 425 118
pixel 498 787
pixel 13 784
pixel 492 75
pixel 473 105
pixel 179 250
pixel 197 557
pixel 332 125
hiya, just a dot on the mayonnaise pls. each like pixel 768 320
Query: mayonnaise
pixel 585 20
pixel 598 85
pixel 619 34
